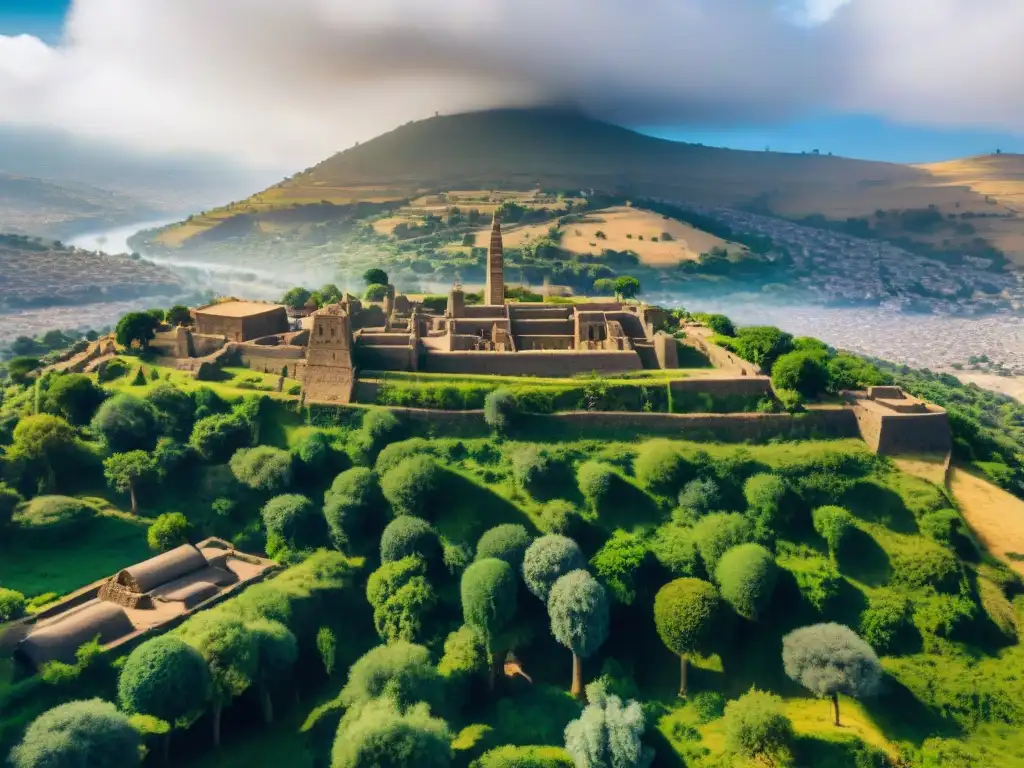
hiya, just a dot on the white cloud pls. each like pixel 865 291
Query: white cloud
pixel 284 83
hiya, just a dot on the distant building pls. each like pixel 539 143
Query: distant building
pixel 241 320
pixel 494 294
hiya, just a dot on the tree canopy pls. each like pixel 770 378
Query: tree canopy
pixel 608 732
pixel 79 734
pixel 136 328
pixel 746 575
pixel 685 615
pixel 381 735
pixel 578 608
pixel 126 423
pixel 166 678
pixel 547 559
pixel 506 542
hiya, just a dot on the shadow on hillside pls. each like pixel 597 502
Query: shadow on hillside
pixel 875 503
pixel 863 559
pixel 628 507
pixel 901 716
pixel 470 509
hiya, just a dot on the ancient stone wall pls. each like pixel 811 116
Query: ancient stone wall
pixel 553 364
pixel 386 358
pixel 750 386
pixel 722 358
pixel 666 350
pixel 891 433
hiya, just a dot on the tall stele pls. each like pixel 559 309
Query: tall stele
pixel 496 265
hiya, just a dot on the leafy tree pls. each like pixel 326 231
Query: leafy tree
pixel 314 453
pixel 136 328
pixel 620 564
pixel 608 733
pixel 833 524
pixel 604 286
pixel 405 615
pixel 886 622
pixel 179 315
pixel 43 441
pixel 381 735
pixel 353 507
pixel 627 287
pixel 685 615
pixel 375 277
pixel 19 368
pixel 407 536
pixel 698 498
pixel 277 651
pixel 717 533
pixel 465 656
pixel 746 575
pixel 327 647
pixel 375 292
pixel 166 678
pixel 263 468
pixel 578 608
pixel 79 734
pixel 505 542
pixel 379 428
pixel 762 345
pixel 525 757
pixel 500 409
pixel 659 467
pixel 547 559
pixel 391 577
pixel 9 500
pixel 215 438
pixel 488 593
pixel 126 423
pixel 720 324
pixel 175 410
pixel 168 531
pixel 412 487
pixel 596 482
pixel 532 468
pixel 232 655
pixel 291 517
pixel 767 496
pixel 401 672
pixel 805 372
pixel 73 396
pixel 296 298
pixel 124 472
pixel 829 659
pixel 12 605
pixel 756 727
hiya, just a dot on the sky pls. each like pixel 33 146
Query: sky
pixel 268 87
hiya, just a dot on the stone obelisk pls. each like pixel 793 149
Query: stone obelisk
pixel 495 293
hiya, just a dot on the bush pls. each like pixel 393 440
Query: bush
pixel 620 564
pixel 314 452
pixel 943 615
pixel 168 531
pixel 926 566
pixel 532 469
pixel 12 605
pixel 166 678
pixel 79 734
pixel 698 498
pixel 559 516
pixel 175 410
pixel 391 577
pixel 791 400
pixel 746 576
pixel 54 517
pixel 381 426
pixel 465 656
pixel 756 726
pixel 715 534
pixel 804 372
pixel 413 486
pixel 596 481
pixel 500 409
pixel 674 548
pixel 660 468
pixel 407 536
pixel 505 542
pixel 720 324
pixel 709 706
pixel 215 438
pixel 525 757
pixel 126 423
pixel 405 614
pixel 9 500
pixel 401 671
pixel 547 559
pixel 942 526
pixel 293 518
pixel 833 524
pixel 354 507
pixel 767 497
pixel 114 369
pixel 381 735
pixel 263 468
pixel 394 454
pixel 607 732
pixel 75 397
pixel 886 621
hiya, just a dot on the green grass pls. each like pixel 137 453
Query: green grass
pixel 233 385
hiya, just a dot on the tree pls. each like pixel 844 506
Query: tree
pixel 12 605
pixel 525 757
pixel 314 453
pixel 746 575
pixel 292 518
pixel 296 298
pixel 685 615
pixel 829 659
pixel 73 396
pixel 380 736
pixel 621 563
pixel 604 286
pixel 263 468
pixel 762 344
pixel 578 608
pixel 232 655
pixel 608 733
pixel 756 727
pixel 406 536
pixel 277 651
pixel 124 472
pixel 488 593
pixel 833 524
pixel 699 497
pixel 126 423
pixel 175 410
pixel 166 678
pixel 411 487
pixel 405 614
pixel 767 496
pixel 659 467
pixel 506 542
pixel 596 482
pixel 500 409
pixel 719 532
pixel 79 734
pixel 327 647
pixel 168 531
pixel 43 440
pixel 375 276
pixel 547 559
pixel 19 368
pixel 217 437
pixel 136 328
pixel 179 315
pixel 401 672
pixel 375 292
pixel 806 372
pixel 627 287
pixel 353 507
pixel 9 500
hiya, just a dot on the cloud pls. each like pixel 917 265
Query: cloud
pixel 283 83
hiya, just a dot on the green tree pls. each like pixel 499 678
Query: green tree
pixel 126 423
pixel 169 530
pixel 330 293
pixel 720 324
pixel 406 536
pixel 166 678
pixel 805 372
pixel 292 518
pixel 73 396
pixel 578 609
pixel 413 486
pixel 621 563
pixel 215 438
pixel 698 498
pixel 829 659
pixel 762 344
pixel 834 525
pixel 9 500
pixel 660 468
pixel 43 441
pixel 685 615
pixel 382 736
pixel 506 542
pixel 175 410
pixel 314 454
pixel 405 615
pixel 717 533
pixel 375 276
pixel 627 287
pixel 375 292
pixel 401 672
pixel 596 482
pixel 179 315
pixel 263 468
pixel 125 471
pixel 296 298
pixel 756 727
pixel 79 734
pixel 769 499
pixel 136 328
pixel 547 559
pixel 604 286
pixel 19 368
pixel 488 593
pixel 353 508
pixel 608 732
pixel 12 605
pixel 277 651
pixel 746 575
pixel 501 409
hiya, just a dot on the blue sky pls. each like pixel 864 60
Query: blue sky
pixel 42 18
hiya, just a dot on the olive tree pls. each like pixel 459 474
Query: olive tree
pixel 124 472
pixel 547 559
pixel 578 609
pixel 756 727
pixel 746 576
pixel 829 659
pixel 685 615
pixel 608 732
pixel 79 734
pixel 488 593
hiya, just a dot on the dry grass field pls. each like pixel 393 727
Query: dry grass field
pixel 995 516
pixel 1013 386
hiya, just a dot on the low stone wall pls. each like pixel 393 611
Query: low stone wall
pixel 722 358
pixel 531 363
pixel 747 386
pixel 273 359
pixel 891 433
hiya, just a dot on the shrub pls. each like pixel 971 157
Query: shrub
pixel 394 454
pixel 263 468
pixel 412 487
pixel 175 410
pixel 401 671
pixel 805 372
pixel 718 533
pixel 767 498
pixel 166 678
pixel 392 576
pixel 83 734
pixel 353 507
pixel 596 482
pixel 9 500
pixel 886 621
pixel 547 559
pixel 525 757
pixel 620 564
pixel 314 451
pixel 407 536
pixel 746 575
pixel 505 542
pixel 756 727
pixel 926 566
pixel 293 518
pixel 943 615
pixel 12 605
pixel 720 324
pixel 833 524
pixel 532 468
pixel 660 468
pixel 998 608
pixel 500 409
pixel 405 614
pixel 942 526
pixel 559 516
pixel 698 498
pixel 215 438
pixel 608 732
pixel 818 580
pixel 54 516
pixel 791 400
pixel 381 735
pixel 168 531
pixel 75 397
pixel 709 706
pixel 126 423
pixel 673 547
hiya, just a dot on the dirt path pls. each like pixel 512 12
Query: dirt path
pixel 995 516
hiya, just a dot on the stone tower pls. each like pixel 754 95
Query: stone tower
pixel 329 376
pixel 495 293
